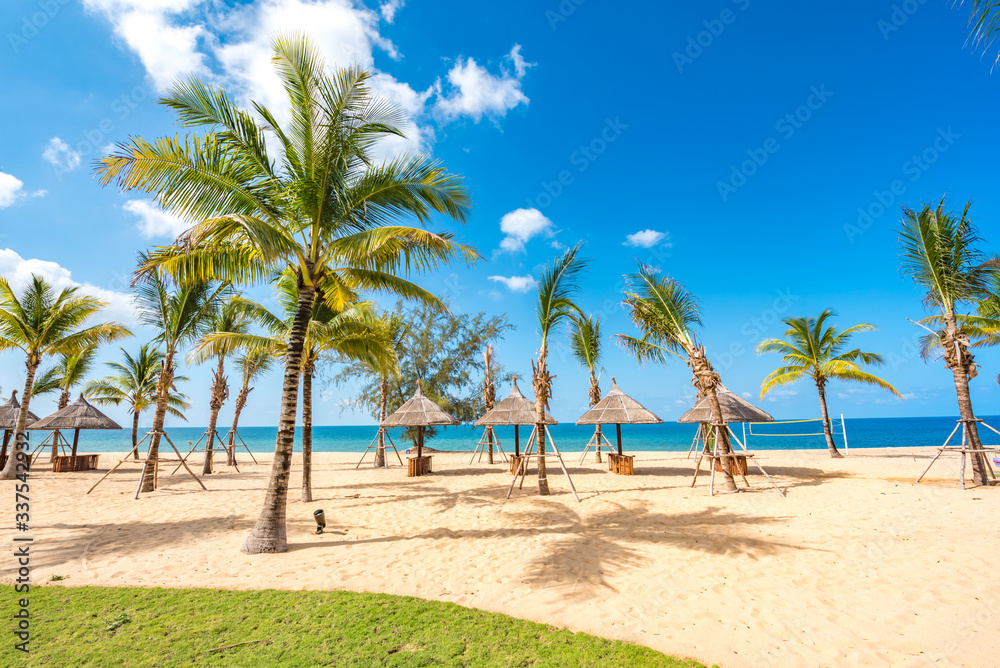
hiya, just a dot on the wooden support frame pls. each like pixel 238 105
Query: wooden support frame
pixel 147 461
pixel 597 441
pixel 713 457
pixel 231 437
pixel 483 445
pixel 963 451
pixel 59 442
pixel 218 445
pixel 374 444
pixel 530 454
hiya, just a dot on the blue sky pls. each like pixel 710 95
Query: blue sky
pixel 758 154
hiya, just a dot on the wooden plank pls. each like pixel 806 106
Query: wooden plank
pixel 739 465
pixel 418 466
pixel 621 464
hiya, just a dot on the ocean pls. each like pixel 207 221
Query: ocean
pixel 861 433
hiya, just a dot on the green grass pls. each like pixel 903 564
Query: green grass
pixel 103 626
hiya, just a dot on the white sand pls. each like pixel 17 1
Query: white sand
pixel 857 566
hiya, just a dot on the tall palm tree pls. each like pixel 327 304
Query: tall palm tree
pixel 585 340
pixel 667 314
pixel 68 372
pixel 229 317
pixel 354 332
pixel 941 254
pixel 308 196
pixel 40 323
pixel 251 365
pixel 812 348
pixel 134 384
pixel 557 289
pixel 179 315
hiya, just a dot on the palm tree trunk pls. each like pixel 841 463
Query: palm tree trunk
pixel 219 393
pixel 707 381
pixel 135 434
pixel 542 387
pixel 162 396
pixel 827 429
pixel 241 401
pixel 595 398
pixel 958 359
pixel 63 403
pixel 10 468
pixel 268 534
pixel 380 448
pixel 307 436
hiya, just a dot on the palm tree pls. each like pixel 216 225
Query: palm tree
pixel 811 348
pixel 585 340
pixel 667 314
pixel 179 315
pixel 41 323
pixel 69 371
pixel 557 288
pixel 394 327
pixel 251 365
pixel 230 317
pixel 353 333
pixel 134 384
pixel 941 254
pixel 308 196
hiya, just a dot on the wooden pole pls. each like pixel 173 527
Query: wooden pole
pixel 6 442
pixel 420 442
pixel 76 439
pixel 618 430
pixel 517 442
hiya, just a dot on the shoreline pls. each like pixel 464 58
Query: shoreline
pixel 856 566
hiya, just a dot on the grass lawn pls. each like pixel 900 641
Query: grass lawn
pixel 104 626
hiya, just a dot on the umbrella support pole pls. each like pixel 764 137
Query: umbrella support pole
pixel 374 444
pixel 597 441
pixel 529 452
pixel 484 443
pixel 54 440
pixel 231 435
pixel 147 461
pixel 218 445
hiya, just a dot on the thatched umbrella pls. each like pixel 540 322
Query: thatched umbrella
pixel 618 408
pixel 515 410
pixel 734 409
pixel 78 415
pixel 419 412
pixel 8 420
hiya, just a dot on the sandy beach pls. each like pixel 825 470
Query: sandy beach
pixel 856 566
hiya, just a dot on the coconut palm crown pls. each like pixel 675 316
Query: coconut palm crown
pixel 815 349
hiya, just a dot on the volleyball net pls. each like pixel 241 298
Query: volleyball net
pixel 760 429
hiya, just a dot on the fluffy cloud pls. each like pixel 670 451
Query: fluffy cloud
pixel 388 9
pixel 18 272
pixel 230 46
pixel 61 155
pixel 154 221
pixel 646 239
pixel 11 190
pixel 516 283
pixel 477 93
pixel 520 226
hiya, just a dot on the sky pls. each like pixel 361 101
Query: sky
pixel 759 154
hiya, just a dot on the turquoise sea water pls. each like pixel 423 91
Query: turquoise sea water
pixel 861 433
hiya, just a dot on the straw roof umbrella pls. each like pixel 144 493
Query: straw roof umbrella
pixel 734 409
pixel 618 408
pixel 419 412
pixel 8 420
pixel 515 410
pixel 78 415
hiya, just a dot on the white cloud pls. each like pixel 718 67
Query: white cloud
pixel 516 283
pixel 520 226
pixel 10 189
pixel 646 239
pixel 18 272
pixel 477 93
pixel 746 395
pixel 154 221
pixel 774 395
pixel 230 46
pixel 389 8
pixel 61 155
